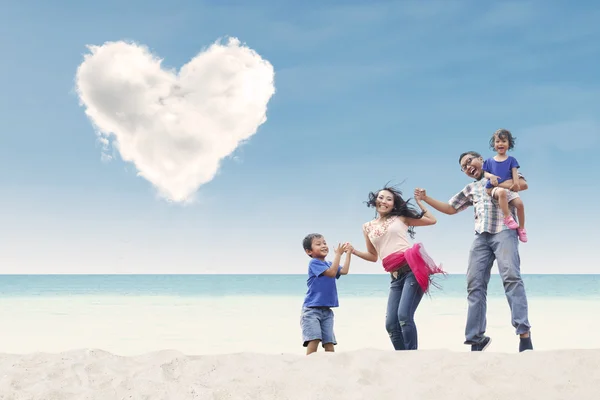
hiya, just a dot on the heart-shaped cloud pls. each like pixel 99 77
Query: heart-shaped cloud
pixel 175 127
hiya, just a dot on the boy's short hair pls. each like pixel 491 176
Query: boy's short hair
pixel 308 240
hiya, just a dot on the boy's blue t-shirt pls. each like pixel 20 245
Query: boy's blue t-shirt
pixel 502 169
pixel 322 291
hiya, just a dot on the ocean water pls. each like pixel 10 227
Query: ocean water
pixel 202 286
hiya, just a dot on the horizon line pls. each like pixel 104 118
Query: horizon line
pixel 246 274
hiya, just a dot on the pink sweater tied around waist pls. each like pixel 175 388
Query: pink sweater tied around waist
pixel 420 263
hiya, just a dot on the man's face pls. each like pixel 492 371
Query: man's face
pixel 471 166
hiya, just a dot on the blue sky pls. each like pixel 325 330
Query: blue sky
pixel 366 92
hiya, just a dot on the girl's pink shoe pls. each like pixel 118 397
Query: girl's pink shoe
pixel 510 222
pixel 522 235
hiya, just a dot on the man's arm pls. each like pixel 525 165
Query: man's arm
pixel 440 206
pixel 508 184
pixel 446 208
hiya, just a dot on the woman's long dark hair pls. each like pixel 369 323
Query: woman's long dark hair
pixel 401 207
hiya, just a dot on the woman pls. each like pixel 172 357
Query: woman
pixel 410 267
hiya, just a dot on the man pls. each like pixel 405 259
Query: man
pixel 493 241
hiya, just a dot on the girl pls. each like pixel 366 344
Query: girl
pixel 502 172
pixel 409 266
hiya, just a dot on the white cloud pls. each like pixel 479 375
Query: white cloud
pixel 175 127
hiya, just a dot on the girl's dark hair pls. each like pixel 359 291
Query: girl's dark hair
pixel 503 134
pixel 401 207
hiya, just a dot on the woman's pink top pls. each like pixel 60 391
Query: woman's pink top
pixel 388 237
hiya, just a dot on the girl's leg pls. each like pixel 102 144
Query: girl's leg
pixel 411 297
pixel 329 347
pixel 392 324
pixel 501 195
pixel 518 204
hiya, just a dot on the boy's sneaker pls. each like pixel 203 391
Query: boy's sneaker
pixel 522 235
pixel 481 346
pixel 510 222
pixel 525 343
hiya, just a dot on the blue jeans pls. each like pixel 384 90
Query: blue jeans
pixel 404 298
pixel 504 248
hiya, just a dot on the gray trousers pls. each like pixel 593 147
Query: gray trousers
pixel 504 248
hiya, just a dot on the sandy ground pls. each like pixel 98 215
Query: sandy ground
pixel 135 325
pixel 362 374
pixel 250 348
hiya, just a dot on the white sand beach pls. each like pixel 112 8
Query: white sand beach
pixel 250 348
pixel 130 326
pixel 363 374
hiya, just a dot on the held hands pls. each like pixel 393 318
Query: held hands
pixel 349 249
pixel 494 180
pixel 345 248
pixel 420 194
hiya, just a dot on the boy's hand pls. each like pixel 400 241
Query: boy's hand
pixel 348 249
pixel 494 180
pixel 339 249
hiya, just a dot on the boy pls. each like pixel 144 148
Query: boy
pixel 317 316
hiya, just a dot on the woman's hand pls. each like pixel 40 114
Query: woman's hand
pixel 348 248
pixel 420 194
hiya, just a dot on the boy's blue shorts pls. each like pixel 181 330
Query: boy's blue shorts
pixel 317 324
